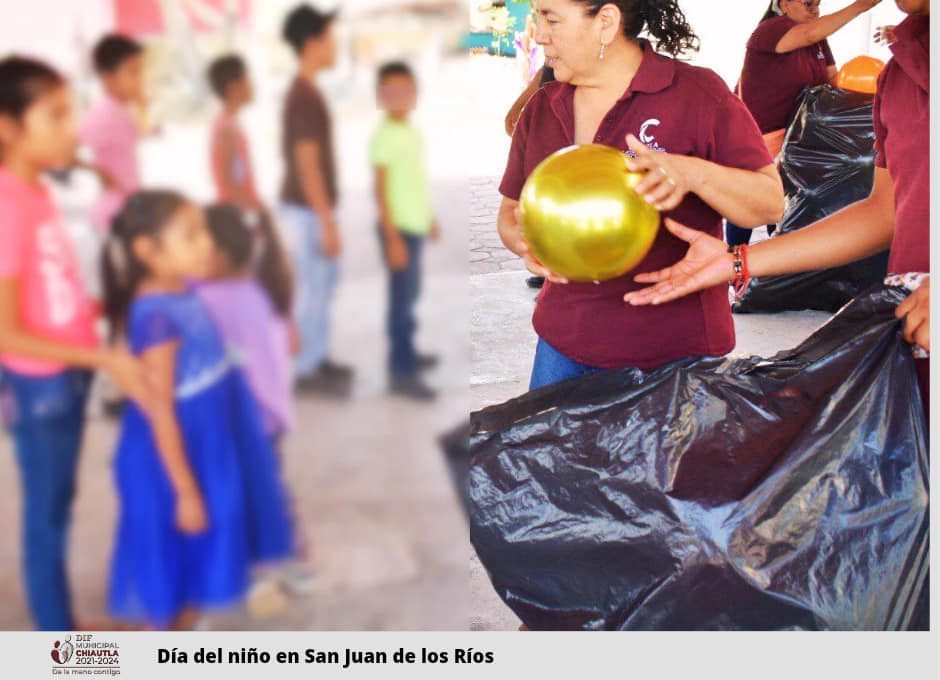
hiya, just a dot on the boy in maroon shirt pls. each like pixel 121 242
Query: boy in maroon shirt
pixel 309 195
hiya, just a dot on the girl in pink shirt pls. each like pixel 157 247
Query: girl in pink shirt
pixel 48 345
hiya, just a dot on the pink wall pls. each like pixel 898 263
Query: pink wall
pixel 143 17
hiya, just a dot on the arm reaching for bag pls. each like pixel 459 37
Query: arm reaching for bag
pixel 855 232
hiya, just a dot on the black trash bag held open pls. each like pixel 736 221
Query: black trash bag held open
pixel 789 493
pixel 827 163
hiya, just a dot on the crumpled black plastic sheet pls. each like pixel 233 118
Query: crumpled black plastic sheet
pixel 456 446
pixel 756 494
pixel 827 163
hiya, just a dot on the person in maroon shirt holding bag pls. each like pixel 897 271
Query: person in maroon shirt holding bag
pixel 896 215
pixel 703 159
pixel 787 53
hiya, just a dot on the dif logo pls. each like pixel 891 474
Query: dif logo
pixel 63 651
pixel 84 654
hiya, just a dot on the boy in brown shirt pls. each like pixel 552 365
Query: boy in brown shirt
pixel 308 200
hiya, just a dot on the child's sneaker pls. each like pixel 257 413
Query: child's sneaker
pixel 266 599
pixel 297 578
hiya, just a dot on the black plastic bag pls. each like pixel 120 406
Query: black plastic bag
pixel 456 446
pixel 789 493
pixel 827 163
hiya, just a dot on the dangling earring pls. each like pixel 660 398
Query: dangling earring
pixel 603 46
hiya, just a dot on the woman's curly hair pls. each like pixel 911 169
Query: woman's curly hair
pixel 662 19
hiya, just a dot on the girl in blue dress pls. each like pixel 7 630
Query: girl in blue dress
pixel 200 495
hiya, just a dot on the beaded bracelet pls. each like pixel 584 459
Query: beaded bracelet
pixel 742 277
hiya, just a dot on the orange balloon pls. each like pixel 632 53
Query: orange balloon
pixel 860 74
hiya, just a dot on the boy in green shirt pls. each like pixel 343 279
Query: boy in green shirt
pixel 406 219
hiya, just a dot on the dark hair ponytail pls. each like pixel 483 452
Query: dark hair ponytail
pixel 662 19
pixel 145 213
pixel 273 269
pixel 770 13
pixel 251 240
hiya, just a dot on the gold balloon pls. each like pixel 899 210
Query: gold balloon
pixel 581 216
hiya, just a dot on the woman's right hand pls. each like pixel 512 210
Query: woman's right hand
pixel 520 247
pixel 191 516
pixel 707 263
pixel 129 374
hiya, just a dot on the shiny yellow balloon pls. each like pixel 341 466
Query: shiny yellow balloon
pixel 581 216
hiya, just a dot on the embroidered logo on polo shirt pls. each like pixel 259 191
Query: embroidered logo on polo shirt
pixel 820 54
pixel 644 135
pixel 647 138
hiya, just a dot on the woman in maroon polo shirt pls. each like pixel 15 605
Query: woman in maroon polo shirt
pixel 895 215
pixel 703 157
pixel 787 53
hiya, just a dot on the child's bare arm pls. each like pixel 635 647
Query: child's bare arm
pixel 108 181
pixel 226 148
pixel 385 215
pixel 396 252
pixel 190 511
pixel 307 158
pixel 15 339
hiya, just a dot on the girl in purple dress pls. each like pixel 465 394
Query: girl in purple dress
pixel 249 297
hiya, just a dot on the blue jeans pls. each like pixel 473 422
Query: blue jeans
pixel 551 366
pixel 316 276
pixel 46 417
pixel 404 287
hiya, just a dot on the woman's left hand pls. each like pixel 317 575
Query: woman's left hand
pixel 885 35
pixel 666 182
pixel 915 311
